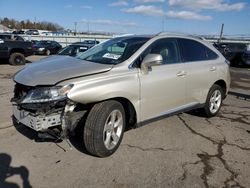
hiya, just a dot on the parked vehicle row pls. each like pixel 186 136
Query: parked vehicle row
pixel 47 47
pixel 28 32
pixel 43 33
pixel 15 48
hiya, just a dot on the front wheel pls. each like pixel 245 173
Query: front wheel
pixel 214 101
pixel 47 52
pixel 17 59
pixel 104 128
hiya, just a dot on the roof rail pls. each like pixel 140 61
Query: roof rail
pixel 180 34
pixel 171 33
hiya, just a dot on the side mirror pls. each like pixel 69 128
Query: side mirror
pixel 1 41
pixel 151 60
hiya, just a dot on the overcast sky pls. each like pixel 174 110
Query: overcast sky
pixel 136 16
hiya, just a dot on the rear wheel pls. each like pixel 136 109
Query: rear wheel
pixel 17 59
pixel 214 101
pixel 104 128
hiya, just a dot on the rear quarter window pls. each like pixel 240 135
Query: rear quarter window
pixel 192 50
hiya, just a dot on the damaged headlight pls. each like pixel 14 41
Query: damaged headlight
pixel 47 94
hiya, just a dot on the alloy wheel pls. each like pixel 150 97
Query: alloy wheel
pixel 215 101
pixel 113 129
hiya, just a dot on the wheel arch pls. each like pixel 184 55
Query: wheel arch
pixel 130 111
pixel 19 50
pixel 223 85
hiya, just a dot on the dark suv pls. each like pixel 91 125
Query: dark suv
pixel 233 52
pixel 14 48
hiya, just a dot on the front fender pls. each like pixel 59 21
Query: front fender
pixel 106 86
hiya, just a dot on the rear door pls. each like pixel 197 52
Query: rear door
pixel 163 89
pixel 201 68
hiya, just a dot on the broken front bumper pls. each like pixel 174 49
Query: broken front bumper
pixel 36 122
pixel 63 119
pixel 60 115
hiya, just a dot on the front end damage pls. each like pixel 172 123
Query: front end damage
pixel 56 117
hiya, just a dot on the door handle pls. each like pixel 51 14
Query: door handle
pixel 212 69
pixel 181 73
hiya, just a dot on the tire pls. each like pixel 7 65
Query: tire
pixel 47 52
pixel 104 127
pixel 213 101
pixel 17 59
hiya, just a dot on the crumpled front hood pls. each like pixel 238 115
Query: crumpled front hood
pixel 54 69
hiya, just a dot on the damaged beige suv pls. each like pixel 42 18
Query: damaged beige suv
pixel 123 82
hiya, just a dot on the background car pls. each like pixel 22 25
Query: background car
pixel 90 43
pixel 46 47
pixel 21 32
pixel 232 52
pixel 11 37
pixel 34 42
pixel 14 48
pixel 32 32
pixel 75 48
pixel 246 56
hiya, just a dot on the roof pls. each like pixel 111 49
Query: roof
pixel 180 35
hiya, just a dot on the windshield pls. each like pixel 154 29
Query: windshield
pixel 114 51
pixel 67 50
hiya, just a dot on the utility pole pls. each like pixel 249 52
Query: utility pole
pixel 221 33
pixel 164 19
pixel 75 27
pixel 35 22
pixel 163 24
pixel 88 26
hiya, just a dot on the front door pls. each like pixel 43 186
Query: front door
pixel 163 89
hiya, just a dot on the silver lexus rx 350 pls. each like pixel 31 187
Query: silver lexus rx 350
pixel 123 82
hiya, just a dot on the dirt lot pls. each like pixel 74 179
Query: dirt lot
pixel 180 151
